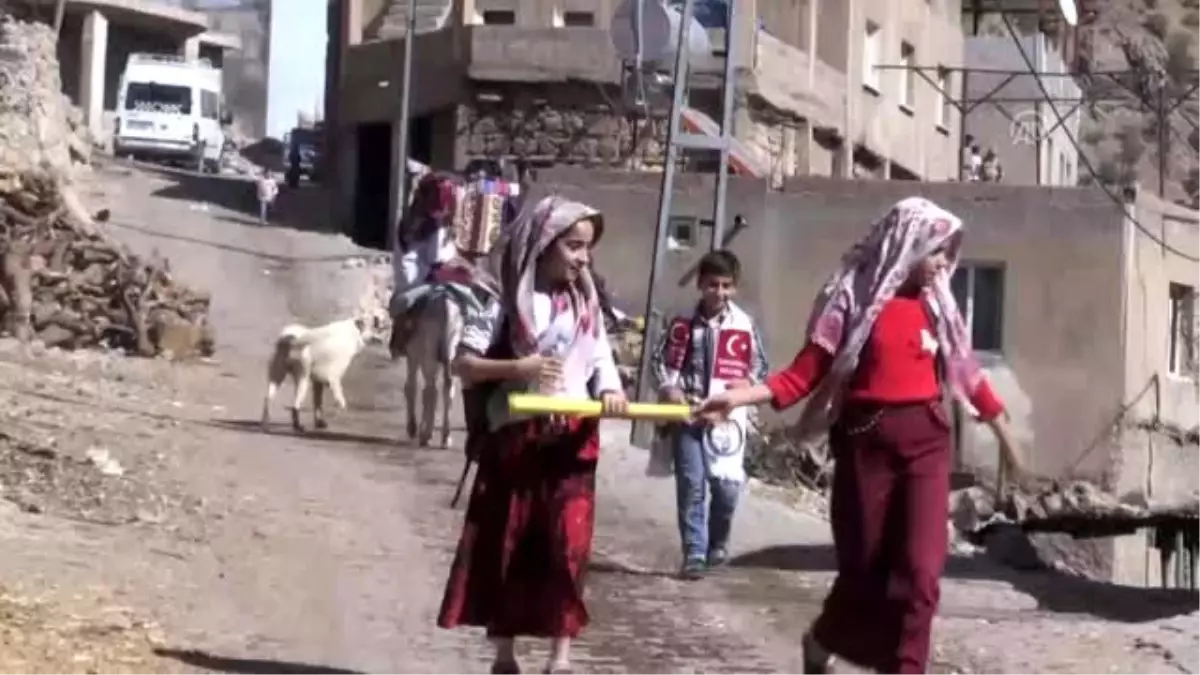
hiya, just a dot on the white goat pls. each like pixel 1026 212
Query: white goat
pixel 313 356
pixel 431 345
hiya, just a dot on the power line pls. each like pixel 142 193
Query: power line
pixel 1118 200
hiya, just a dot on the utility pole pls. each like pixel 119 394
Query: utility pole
pixel 400 132
pixel 1163 122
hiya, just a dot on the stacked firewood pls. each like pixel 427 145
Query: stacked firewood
pixel 70 286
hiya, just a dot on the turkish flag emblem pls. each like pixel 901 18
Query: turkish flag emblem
pixel 733 354
pixel 678 340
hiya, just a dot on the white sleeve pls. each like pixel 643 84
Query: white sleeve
pixel 607 377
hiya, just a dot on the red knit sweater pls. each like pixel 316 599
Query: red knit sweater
pixel 896 365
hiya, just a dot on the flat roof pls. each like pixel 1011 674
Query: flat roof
pixel 145 13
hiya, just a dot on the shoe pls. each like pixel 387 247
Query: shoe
pixel 816 657
pixel 693 570
pixel 718 557
pixel 506 668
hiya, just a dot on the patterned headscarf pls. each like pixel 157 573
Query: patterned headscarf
pixel 848 305
pixel 515 259
pixel 434 202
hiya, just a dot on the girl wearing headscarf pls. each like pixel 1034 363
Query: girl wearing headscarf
pixel 527 536
pixel 884 335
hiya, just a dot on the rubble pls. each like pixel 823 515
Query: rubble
pixel 74 288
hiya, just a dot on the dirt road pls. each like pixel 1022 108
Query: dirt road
pixel 279 553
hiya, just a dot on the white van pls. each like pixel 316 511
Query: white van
pixel 169 108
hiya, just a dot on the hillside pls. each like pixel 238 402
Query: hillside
pixel 1157 40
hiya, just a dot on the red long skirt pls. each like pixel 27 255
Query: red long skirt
pixel 523 554
pixel 888 512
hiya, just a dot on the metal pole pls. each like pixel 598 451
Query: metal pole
pixel 642 431
pixel 1162 136
pixel 727 104
pixel 963 111
pixel 401 131
pixel 60 10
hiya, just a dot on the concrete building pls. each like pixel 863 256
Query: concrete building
pixel 539 80
pixel 245 73
pixel 1020 126
pixel 1083 314
pixel 99 35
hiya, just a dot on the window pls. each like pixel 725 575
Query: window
pixel 499 17
pixel 941 110
pixel 908 77
pixel 1182 349
pixel 154 97
pixel 979 291
pixel 872 42
pixel 579 19
pixel 682 232
pixel 210 105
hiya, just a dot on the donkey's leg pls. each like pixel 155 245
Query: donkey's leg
pixel 429 396
pixel 448 385
pixel 410 390
pixel 451 336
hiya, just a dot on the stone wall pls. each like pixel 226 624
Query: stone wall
pixel 35 116
pixel 572 124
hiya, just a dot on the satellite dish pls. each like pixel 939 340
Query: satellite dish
pixel 1070 11
pixel 660 32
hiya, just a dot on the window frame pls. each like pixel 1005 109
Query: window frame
pixel 1179 295
pixel 970 268
pixel 872 43
pixel 908 77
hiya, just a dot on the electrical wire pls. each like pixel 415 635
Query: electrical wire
pixel 1087 164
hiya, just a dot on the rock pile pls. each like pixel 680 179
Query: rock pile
pixel 63 281
pixel 72 287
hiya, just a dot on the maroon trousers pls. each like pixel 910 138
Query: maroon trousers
pixel 523 554
pixel 888 513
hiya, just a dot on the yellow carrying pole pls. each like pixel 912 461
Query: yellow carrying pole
pixel 537 404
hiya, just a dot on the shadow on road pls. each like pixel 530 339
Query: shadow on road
pixel 285 429
pixel 1054 591
pixel 613 567
pixel 305 208
pixel 225 664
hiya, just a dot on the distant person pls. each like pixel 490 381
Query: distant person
pixel 990 168
pixel 267 190
pixel 706 352
pixel 974 164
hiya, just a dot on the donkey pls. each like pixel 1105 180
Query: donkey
pixel 436 331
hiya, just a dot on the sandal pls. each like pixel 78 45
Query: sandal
pixel 562 669
pixel 506 668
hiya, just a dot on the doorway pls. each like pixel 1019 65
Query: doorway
pixel 370 225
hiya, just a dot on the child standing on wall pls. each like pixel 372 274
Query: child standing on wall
pixel 715 348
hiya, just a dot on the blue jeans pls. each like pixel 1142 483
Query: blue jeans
pixel 702 530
